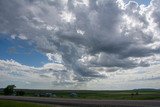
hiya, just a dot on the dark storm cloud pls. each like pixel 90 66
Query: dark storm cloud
pixel 97 33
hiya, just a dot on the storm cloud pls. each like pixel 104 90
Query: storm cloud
pixel 81 35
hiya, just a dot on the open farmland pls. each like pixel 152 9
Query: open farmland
pixel 85 102
pixel 123 98
pixel 90 94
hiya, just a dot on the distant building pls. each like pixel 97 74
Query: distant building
pixel 73 95
pixel 46 95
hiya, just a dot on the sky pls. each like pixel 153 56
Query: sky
pixel 140 2
pixel 80 44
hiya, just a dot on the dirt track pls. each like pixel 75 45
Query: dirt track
pixel 88 102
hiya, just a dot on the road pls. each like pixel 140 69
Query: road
pixel 86 102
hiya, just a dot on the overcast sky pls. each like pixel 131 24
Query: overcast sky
pixel 80 44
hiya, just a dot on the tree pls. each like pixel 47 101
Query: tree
pixel 9 90
pixel 137 93
pixel 20 93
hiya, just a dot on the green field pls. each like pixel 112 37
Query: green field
pixel 7 103
pixel 116 95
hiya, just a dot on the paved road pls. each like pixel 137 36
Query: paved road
pixel 88 102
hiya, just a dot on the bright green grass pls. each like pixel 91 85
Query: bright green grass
pixel 8 103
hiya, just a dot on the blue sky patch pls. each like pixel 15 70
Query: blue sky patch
pixel 145 2
pixel 21 51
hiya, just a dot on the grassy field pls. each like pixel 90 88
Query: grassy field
pixel 116 95
pixel 7 103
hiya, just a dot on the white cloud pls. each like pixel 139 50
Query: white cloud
pixel 54 66
pixel 54 57
pixel 12 71
pixel 23 37
pixel 13 36
pixel 67 16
